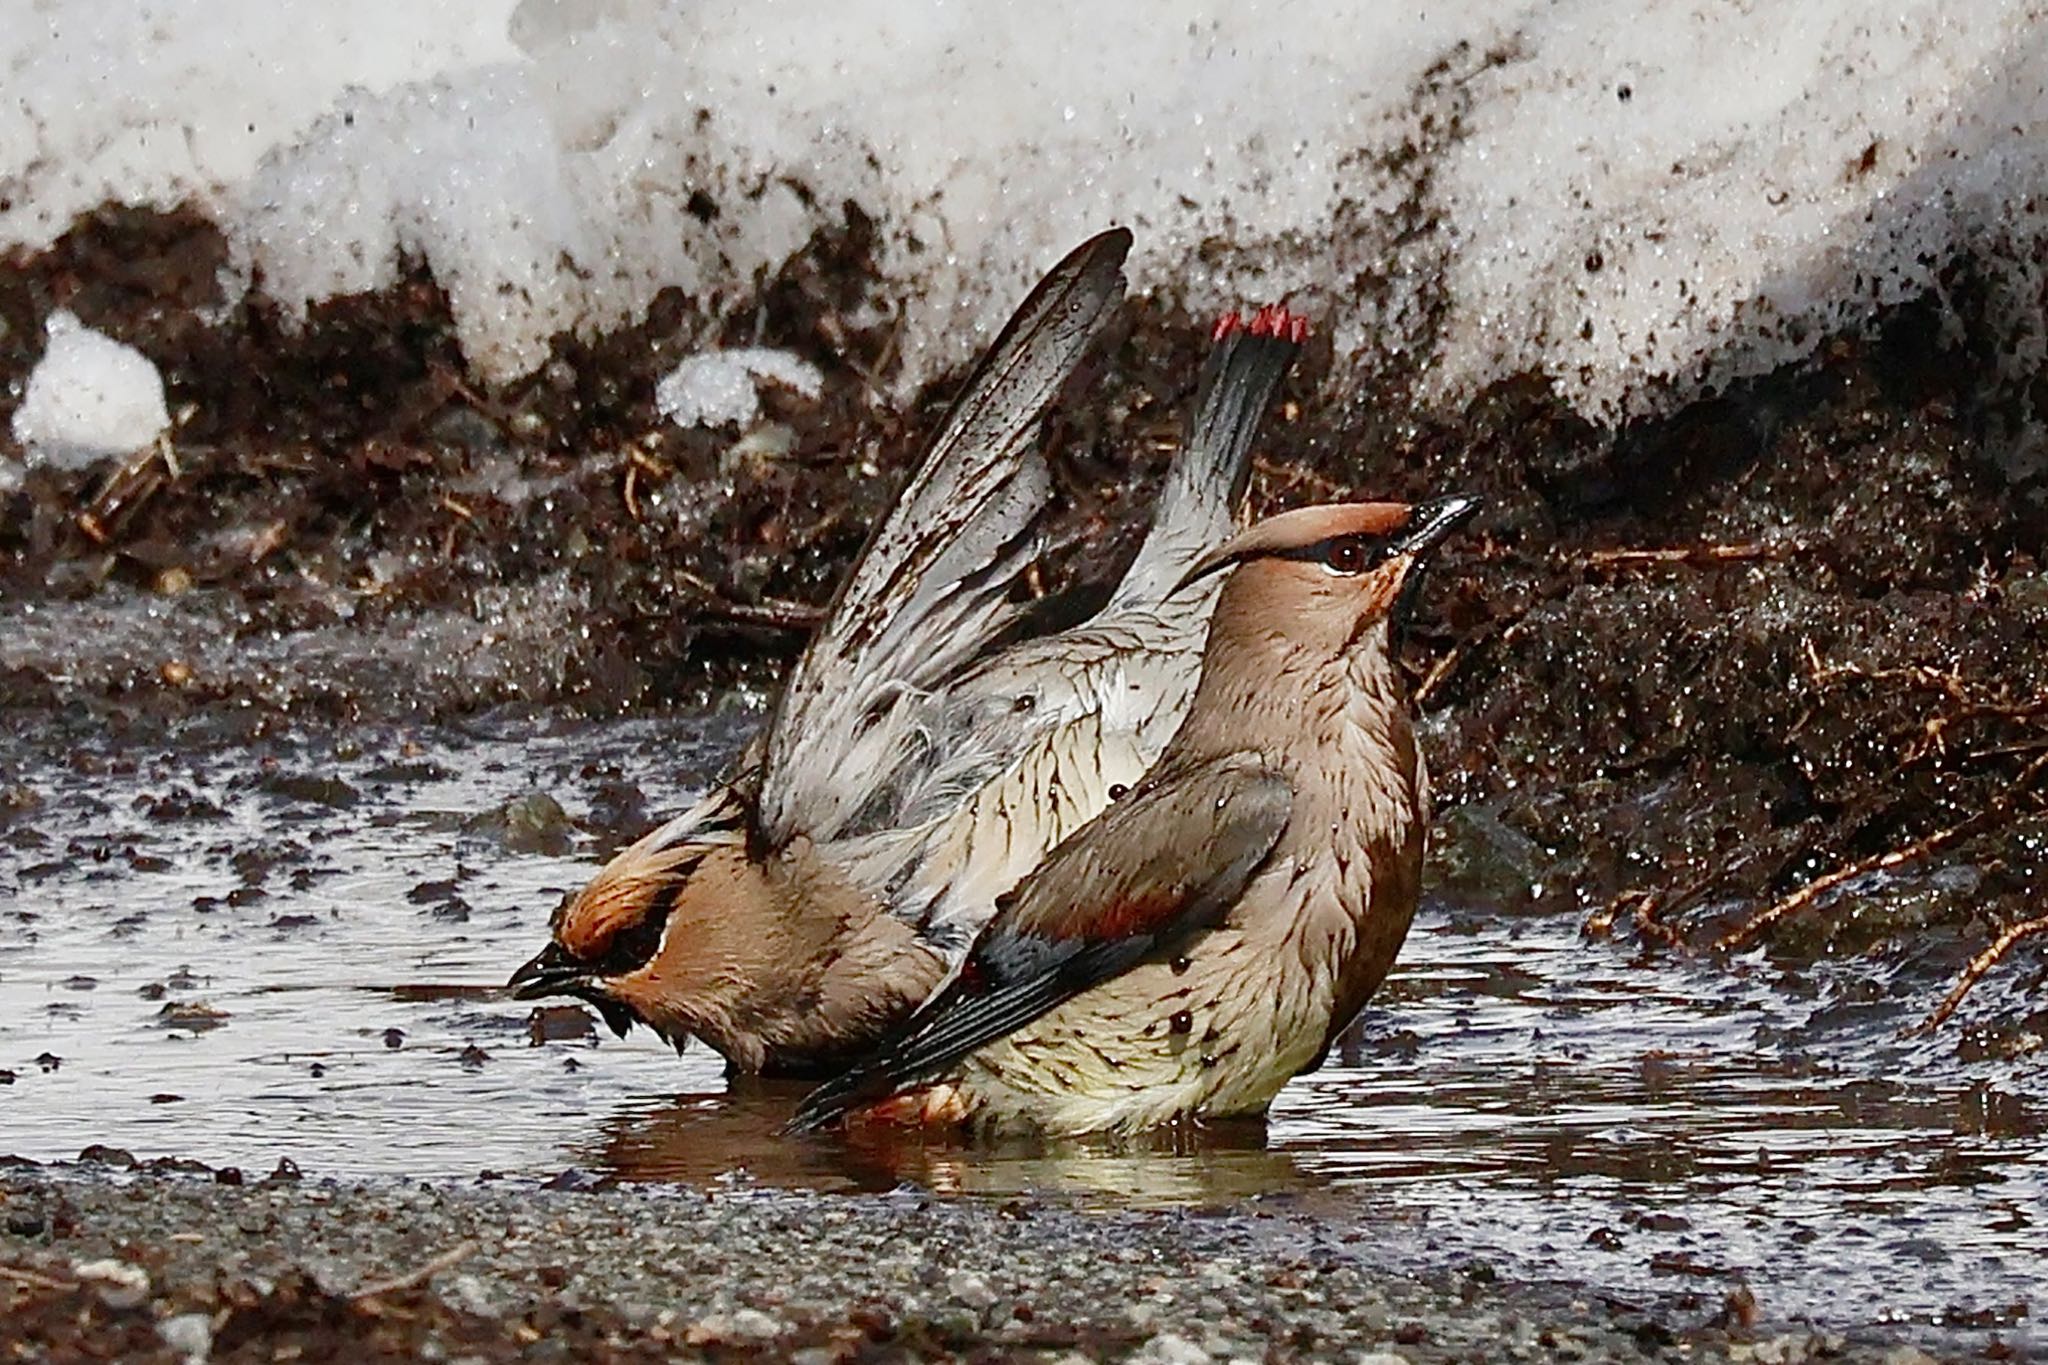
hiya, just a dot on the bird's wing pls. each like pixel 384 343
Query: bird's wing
pixel 931 586
pixel 1122 676
pixel 1167 861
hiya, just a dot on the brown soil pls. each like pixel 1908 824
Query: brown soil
pixel 1681 669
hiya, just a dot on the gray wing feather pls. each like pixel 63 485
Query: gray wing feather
pixel 1145 643
pixel 931 588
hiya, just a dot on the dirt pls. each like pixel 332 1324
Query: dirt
pixel 1683 667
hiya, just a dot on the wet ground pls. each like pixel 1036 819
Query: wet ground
pixel 241 944
pixel 303 733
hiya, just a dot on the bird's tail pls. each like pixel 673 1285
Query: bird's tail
pixel 1199 502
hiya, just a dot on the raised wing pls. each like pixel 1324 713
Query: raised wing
pixel 1169 860
pixel 931 587
pixel 999 782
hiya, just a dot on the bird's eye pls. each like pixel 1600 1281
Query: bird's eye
pixel 1345 555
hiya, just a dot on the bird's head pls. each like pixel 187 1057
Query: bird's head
pixel 611 943
pixel 1326 581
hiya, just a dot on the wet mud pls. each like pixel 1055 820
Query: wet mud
pixel 1738 717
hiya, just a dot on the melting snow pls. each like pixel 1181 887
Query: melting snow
pixel 89 397
pixel 719 387
pixel 1628 198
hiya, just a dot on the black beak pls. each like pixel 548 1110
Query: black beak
pixel 549 972
pixel 553 972
pixel 1431 523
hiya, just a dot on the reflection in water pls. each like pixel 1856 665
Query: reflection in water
pixel 199 945
pixel 700 1139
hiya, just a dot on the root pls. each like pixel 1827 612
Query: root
pixel 773 612
pixel 1979 966
pixel 1689 554
pixel 1746 932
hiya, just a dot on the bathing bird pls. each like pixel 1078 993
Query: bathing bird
pixel 928 748
pixel 1209 936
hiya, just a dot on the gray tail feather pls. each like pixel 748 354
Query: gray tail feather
pixel 1198 503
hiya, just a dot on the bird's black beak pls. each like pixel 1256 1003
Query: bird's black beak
pixel 1431 523
pixel 549 972
pixel 553 972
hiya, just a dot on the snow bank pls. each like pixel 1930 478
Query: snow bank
pixel 88 398
pixel 718 388
pixel 1630 198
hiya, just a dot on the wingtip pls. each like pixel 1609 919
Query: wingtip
pixel 1111 246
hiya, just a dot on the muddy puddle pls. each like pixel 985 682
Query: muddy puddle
pixel 242 947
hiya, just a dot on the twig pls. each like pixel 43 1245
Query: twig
pixel 33 1279
pixel 773 612
pixel 420 1274
pixel 1748 930
pixel 1979 965
pixel 1500 630
pixel 1690 554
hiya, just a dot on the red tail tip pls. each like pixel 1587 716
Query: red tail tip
pixel 1271 321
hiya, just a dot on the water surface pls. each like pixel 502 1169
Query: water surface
pixel 240 946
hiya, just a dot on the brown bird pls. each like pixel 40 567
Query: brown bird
pixel 920 760
pixel 1210 935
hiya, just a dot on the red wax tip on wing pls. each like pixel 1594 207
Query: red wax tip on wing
pixel 1297 328
pixel 1225 325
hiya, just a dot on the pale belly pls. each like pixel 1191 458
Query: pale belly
pixel 1218 1037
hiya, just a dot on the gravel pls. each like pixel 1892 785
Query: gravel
pixel 180 1267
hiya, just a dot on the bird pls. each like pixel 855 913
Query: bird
pixel 929 746
pixel 1209 936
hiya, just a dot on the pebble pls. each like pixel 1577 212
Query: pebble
pixel 189 1334
pixel 971 1289
pixel 122 1286
pixel 1168 1348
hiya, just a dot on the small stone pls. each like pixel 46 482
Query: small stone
pixel 1169 1349
pixel 100 1154
pixel 468 1293
pixel 1381 1358
pixel 971 1289
pixel 122 1286
pixel 752 1322
pixel 190 1334
pixel 558 1023
pixel 196 1016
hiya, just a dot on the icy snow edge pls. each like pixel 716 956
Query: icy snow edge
pixel 1630 200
